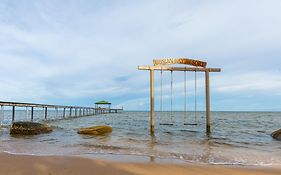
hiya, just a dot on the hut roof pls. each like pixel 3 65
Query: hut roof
pixel 103 102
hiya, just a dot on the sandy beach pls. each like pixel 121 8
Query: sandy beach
pixel 60 165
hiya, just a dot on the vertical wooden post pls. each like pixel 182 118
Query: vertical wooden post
pixel 56 113
pixel 152 101
pixel 70 110
pixel 208 113
pixel 13 114
pixel 46 113
pixel 2 115
pixel 32 112
pixel 63 112
pixel 26 112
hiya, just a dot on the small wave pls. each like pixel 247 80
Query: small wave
pixel 186 130
pixel 5 127
pixel 103 147
pixel 51 140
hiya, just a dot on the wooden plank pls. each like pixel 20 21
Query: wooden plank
pixel 165 68
pixel 188 61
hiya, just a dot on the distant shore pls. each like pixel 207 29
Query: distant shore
pixel 62 165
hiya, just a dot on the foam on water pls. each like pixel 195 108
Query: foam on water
pixel 238 138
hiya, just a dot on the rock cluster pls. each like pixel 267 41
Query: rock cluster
pixel 29 128
pixel 277 134
pixel 95 130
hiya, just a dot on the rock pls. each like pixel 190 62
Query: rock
pixel 277 134
pixel 29 128
pixel 95 130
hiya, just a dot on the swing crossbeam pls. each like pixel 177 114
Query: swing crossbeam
pixel 163 68
pixel 170 68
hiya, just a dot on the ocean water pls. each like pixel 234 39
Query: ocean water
pixel 237 138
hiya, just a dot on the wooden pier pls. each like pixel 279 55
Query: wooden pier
pixel 67 111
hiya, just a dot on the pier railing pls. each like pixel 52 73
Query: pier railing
pixel 64 111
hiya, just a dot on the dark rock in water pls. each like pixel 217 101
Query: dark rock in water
pixel 29 128
pixel 96 130
pixel 277 134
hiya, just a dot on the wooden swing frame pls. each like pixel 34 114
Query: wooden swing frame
pixel 163 65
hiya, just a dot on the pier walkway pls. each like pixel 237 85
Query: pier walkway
pixel 61 111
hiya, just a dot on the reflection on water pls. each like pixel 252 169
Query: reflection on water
pixel 236 138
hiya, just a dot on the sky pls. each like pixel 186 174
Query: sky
pixel 77 52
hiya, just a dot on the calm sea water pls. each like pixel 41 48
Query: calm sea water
pixel 237 137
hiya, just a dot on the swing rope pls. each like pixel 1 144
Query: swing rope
pixel 171 98
pixel 171 112
pixel 195 96
pixel 161 96
pixel 195 99
pixel 185 96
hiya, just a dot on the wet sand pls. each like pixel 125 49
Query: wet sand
pixel 62 165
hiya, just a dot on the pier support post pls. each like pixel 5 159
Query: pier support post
pixel 46 113
pixel 70 111
pixel 2 115
pixel 26 113
pixel 208 113
pixel 63 112
pixel 32 113
pixel 152 101
pixel 56 113
pixel 13 114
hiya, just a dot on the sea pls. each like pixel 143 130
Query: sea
pixel 237 138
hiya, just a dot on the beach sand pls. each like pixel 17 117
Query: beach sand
pixel 60 165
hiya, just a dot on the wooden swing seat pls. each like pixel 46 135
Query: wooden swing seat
pixel 192 124
pixel 167 124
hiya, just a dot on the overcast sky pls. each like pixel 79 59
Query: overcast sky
pixel 78 52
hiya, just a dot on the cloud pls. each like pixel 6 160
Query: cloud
pixel 77 51
pixel 260 82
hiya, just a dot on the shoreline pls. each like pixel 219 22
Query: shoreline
pixel 51 165
pixel 134 158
